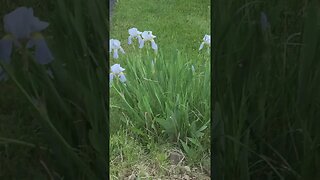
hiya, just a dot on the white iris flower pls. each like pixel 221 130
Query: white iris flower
pixel 117 71
pixel 115 45
pixel 148 36
pixel 134 33
pixel 206 41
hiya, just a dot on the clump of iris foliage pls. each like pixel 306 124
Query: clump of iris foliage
pixel 266 89
pixel 58 63
pixel 165 95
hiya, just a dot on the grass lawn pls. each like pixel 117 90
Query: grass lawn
pixel 266 91
pixel 140 145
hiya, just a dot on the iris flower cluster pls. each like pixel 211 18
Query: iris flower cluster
pixel 142 37
pixel 115 47
pixel 145 36
pixel 134 33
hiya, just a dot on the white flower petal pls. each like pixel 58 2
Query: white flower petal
pixel 141 44
pixel 154 45
pixel 110 45
pixel 115 54
pixel 207 39
pixel 131 31
pixel 111 76
pixel 121 49
pixel 129 40
pixel 201 46
pixel 134 32
pixel 147 35
pixel 144 34
pixel 139 39
pixel 122 77
pixel 116 69
pixel 116 44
